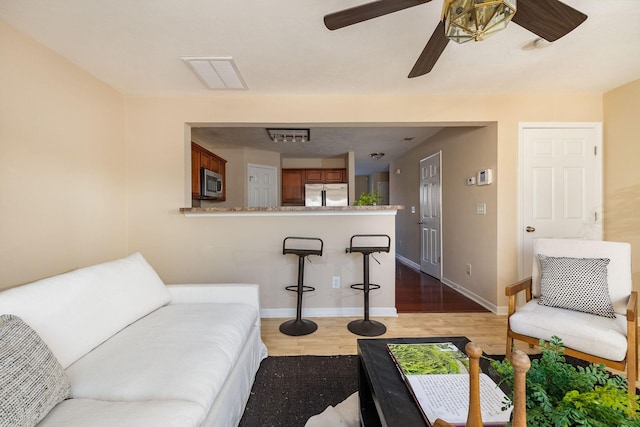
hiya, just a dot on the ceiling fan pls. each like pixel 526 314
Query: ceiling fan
pixel 549 19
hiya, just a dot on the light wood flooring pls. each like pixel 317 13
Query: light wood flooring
pixel 333 337
pixel 426 308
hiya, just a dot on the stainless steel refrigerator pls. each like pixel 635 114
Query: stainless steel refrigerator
pixel 326 194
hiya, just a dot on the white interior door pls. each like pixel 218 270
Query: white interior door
pixel 561 184
pixel 430 216
pixel 262 186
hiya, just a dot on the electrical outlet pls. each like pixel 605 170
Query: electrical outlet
pixel 335 282
pixel 469 269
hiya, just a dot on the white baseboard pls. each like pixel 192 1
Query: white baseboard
pixel 283 313
pixel 407 261
pixel 497 309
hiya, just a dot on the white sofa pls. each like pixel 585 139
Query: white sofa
pixel 138 353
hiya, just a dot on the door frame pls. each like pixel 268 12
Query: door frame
pixel 597 128
pixel 441 240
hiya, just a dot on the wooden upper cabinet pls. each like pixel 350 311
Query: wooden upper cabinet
pixel 335 175
pixel 324 176
pixel 313 176
pixel 293 181
pixel 293 187
pixel 203 158
pixel 195 173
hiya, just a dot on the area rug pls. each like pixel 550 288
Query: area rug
pixel 288 390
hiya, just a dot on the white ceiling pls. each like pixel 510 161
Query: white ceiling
pixel 283 47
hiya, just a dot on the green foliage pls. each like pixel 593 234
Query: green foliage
pixel 560 394
pixel 369 199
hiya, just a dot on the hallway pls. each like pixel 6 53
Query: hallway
pixel 417 292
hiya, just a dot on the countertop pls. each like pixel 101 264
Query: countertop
pixel 293 210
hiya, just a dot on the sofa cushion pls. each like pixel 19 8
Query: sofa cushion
pixel 76 311
pixel 178 352
pixel 584 332
pixel 31 379
pixel 95 413
pixel 575 284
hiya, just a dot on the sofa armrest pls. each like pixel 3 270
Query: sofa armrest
pixel 215 293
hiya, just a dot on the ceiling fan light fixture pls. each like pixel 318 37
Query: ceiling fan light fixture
pixel 467 20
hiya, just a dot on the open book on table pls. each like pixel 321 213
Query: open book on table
pixel 437 375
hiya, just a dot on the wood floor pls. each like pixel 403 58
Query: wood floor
pixel 417 292
pixel 426 308
pixel 333 338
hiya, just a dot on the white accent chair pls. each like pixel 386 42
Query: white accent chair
pixel 590 337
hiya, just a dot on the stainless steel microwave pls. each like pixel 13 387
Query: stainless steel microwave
pixel 211 184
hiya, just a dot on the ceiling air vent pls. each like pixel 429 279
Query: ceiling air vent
pixel 216 73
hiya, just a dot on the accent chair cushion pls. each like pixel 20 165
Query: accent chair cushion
pixel 32 381
pixel 580 331
pixel 578 284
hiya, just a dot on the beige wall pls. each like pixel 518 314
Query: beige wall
pixel 158 123
pixel 105 197
pixel 622 170
pixel 62 164
pixel 467 238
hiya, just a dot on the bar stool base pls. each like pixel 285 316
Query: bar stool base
pixel 367 328
pixel 297 327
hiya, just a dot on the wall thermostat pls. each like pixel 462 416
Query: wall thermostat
pixel 484 177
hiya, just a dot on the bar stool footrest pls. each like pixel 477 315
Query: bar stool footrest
pixel 298 327
pixel 305 288
pixel 367 328
pixel 360 286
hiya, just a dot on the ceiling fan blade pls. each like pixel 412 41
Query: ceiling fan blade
pixel 367 11
pixel 431 52
pixel 549 19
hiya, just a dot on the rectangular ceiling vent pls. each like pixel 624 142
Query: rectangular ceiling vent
pixel 216 73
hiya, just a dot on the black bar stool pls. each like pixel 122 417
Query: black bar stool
pixel 306 246
pixel 367 327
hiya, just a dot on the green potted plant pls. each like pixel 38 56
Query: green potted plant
pixel 369 199
pixel 560 394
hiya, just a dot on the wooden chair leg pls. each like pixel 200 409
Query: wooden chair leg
pixel 632 363
pixel 509 348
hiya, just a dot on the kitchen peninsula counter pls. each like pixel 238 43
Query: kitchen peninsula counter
pixel 244 245
pixel 293 210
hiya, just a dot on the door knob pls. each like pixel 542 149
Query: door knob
pixel 530 229
pixel 420 222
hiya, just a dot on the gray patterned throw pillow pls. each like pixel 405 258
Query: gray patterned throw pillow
pixel 32 381
pixel 576 284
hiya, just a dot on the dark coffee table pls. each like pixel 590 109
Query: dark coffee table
pixel 385 399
